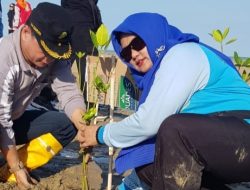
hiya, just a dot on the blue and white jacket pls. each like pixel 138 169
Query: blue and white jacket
pixel 187 76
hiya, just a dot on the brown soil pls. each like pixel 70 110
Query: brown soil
pixel 63 173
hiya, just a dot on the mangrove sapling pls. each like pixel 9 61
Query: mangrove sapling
pixel 87 118
pixel 242 65
pixel 220 37
pixel 80 55
pixel 101 41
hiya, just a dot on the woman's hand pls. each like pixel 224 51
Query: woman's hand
pixel 87 136
pixel 24 180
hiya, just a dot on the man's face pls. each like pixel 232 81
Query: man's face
pixel 31 50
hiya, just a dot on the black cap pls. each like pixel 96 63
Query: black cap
pixel 52 26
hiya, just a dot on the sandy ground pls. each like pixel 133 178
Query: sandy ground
pixel 65 173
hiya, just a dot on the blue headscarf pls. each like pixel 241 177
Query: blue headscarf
pixel 159 38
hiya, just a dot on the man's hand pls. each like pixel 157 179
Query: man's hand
pixel 87 136
pixel 76 118
pixel 24 180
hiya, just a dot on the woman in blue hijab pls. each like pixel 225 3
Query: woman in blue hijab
pixel 193 94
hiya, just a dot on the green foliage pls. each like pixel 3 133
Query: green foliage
pixel 101 38
pixel 245 76
pixel 102 35
pixel 100 85
pixel 93 39
pixel 101 41
pixel 89 115
pixel 220 37
pixel 230 41
pixel 217 35
pixel 80 54
pixel 240 63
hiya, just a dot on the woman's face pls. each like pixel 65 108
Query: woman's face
pixel 134 51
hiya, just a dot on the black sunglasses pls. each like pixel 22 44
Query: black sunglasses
pixel 136 44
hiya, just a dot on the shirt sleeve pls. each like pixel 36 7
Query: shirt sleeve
pixel 7 78
pixel 64 85
pixel 183 71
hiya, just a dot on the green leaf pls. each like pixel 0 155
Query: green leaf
pixel 237 59
pixel 93 38
pixel 102 35
pixel 105 88
pixel 217 35
pixel 231 41
pixel 80 54
pixel 100 85
pixel 225 33
pixel 98 82
pixel 244 75
pixel 107 44
pixel 247 62
pixel 89 114
pixel 248 77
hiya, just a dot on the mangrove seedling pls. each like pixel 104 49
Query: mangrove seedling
pixel 80 55
pixel 240 63
pixel 101 40
pixel 220 37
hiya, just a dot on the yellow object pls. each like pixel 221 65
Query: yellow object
pixel 37 153
pixel 22 3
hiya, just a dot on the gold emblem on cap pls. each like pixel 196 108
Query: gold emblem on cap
pixel 54 54
pixel 62 35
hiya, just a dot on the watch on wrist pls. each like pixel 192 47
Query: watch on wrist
pixel 19 166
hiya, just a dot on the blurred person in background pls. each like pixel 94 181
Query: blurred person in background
pixel 18 14
pixel 11 14
pixel 86 16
